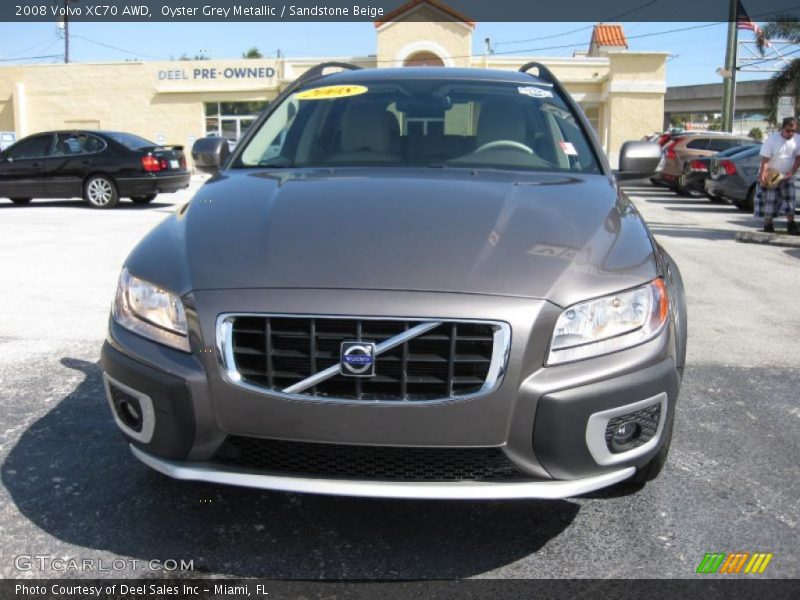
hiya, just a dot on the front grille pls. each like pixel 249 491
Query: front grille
pixel 453 359
pixel 379 463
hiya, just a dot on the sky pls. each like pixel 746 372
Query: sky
pixel 696 49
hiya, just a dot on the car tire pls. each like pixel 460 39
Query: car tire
pixel 748 204
pixel 680 186
pixel 143 199
pixel 20 200
pixel 99 191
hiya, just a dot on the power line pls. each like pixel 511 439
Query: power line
pixel 556 35
pixel 28 49
pixel 30 57
pixel 118 49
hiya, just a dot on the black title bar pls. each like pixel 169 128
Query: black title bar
pixel 378 10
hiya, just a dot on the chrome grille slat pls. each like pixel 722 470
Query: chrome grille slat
pixel 416 360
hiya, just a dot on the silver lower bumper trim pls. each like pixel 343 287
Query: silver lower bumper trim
pixel 473 490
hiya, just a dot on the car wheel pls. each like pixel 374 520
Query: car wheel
pixel 681 187
pixel 143 199
pixel 20 200
pixel 100 192
pixel 748 203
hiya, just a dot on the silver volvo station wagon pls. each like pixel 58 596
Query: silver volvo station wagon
pixel 409 283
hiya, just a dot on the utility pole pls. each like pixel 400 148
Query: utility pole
pixel 66 32
pixel 729 83
pixel 65 27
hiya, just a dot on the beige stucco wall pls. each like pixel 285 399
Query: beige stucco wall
pixel 452 41
pixel 165 100
pixel 158 100
pixel 8 77
pixel 635 92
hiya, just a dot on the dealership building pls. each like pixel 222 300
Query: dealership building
pixel 175 102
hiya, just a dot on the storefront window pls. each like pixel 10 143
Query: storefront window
pixel 231 119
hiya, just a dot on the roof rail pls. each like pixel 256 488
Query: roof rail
pixel 544 72
pixel 317 71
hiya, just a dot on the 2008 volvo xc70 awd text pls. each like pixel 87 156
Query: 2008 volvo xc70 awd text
pixel 419 283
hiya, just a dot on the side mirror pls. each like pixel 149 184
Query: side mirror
pixel 209 154
pixel 638 160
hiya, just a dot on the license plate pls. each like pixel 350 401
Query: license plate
pixel 174 164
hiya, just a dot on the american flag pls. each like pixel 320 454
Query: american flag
pixel 743 20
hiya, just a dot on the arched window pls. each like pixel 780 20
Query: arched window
pixel 424 58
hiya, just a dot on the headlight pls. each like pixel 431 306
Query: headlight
pixel 150 311
pixel 608 324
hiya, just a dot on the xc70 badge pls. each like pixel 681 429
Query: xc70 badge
pixel 357 359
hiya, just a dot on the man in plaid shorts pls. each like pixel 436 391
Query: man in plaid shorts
pixel 781 153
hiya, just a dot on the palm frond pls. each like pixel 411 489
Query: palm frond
pixel 784 27
pixel 788 78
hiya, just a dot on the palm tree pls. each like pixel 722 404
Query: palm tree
pixel 252 53
pixel 786 28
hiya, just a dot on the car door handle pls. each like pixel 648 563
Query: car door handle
pixel 36 164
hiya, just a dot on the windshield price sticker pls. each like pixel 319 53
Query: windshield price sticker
pixel 568 148
pixel 332 91
pixel 535 92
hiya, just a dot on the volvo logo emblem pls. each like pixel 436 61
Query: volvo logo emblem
pixel 357 359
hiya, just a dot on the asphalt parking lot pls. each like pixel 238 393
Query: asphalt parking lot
pixel 70 488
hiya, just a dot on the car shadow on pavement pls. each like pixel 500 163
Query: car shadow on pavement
pixel 72 476
pixel 123 205
pixel 700 233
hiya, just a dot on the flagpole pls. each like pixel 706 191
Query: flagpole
pixel 729 83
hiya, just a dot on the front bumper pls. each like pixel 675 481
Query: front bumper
pixel 539 417
pixel 550 490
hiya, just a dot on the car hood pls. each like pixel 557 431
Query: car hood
pixel 561 237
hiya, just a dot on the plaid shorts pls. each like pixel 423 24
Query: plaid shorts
pixel 780 200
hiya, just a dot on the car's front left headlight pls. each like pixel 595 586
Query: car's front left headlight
pixel 150 311
pixel 610 323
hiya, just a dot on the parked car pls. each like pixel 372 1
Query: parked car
pixel 695 171
pixel 98 166
pixel 384 306
pixel 734 177
pixel 682 149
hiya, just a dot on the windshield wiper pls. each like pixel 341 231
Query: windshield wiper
pixel 275 165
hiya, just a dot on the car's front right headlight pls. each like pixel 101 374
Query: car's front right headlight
pixel 150 311
pixel 611 323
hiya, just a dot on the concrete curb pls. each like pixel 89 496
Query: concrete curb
pixel 772 239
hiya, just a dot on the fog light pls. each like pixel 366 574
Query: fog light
pixel 128 409
pixel 633 429
pixel 624 435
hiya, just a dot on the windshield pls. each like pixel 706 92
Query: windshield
pixel 130 141
pixel 423 123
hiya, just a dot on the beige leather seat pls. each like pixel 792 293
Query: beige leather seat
pixel 367 134
pixel 501 120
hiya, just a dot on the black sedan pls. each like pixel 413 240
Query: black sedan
pixel 98 166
